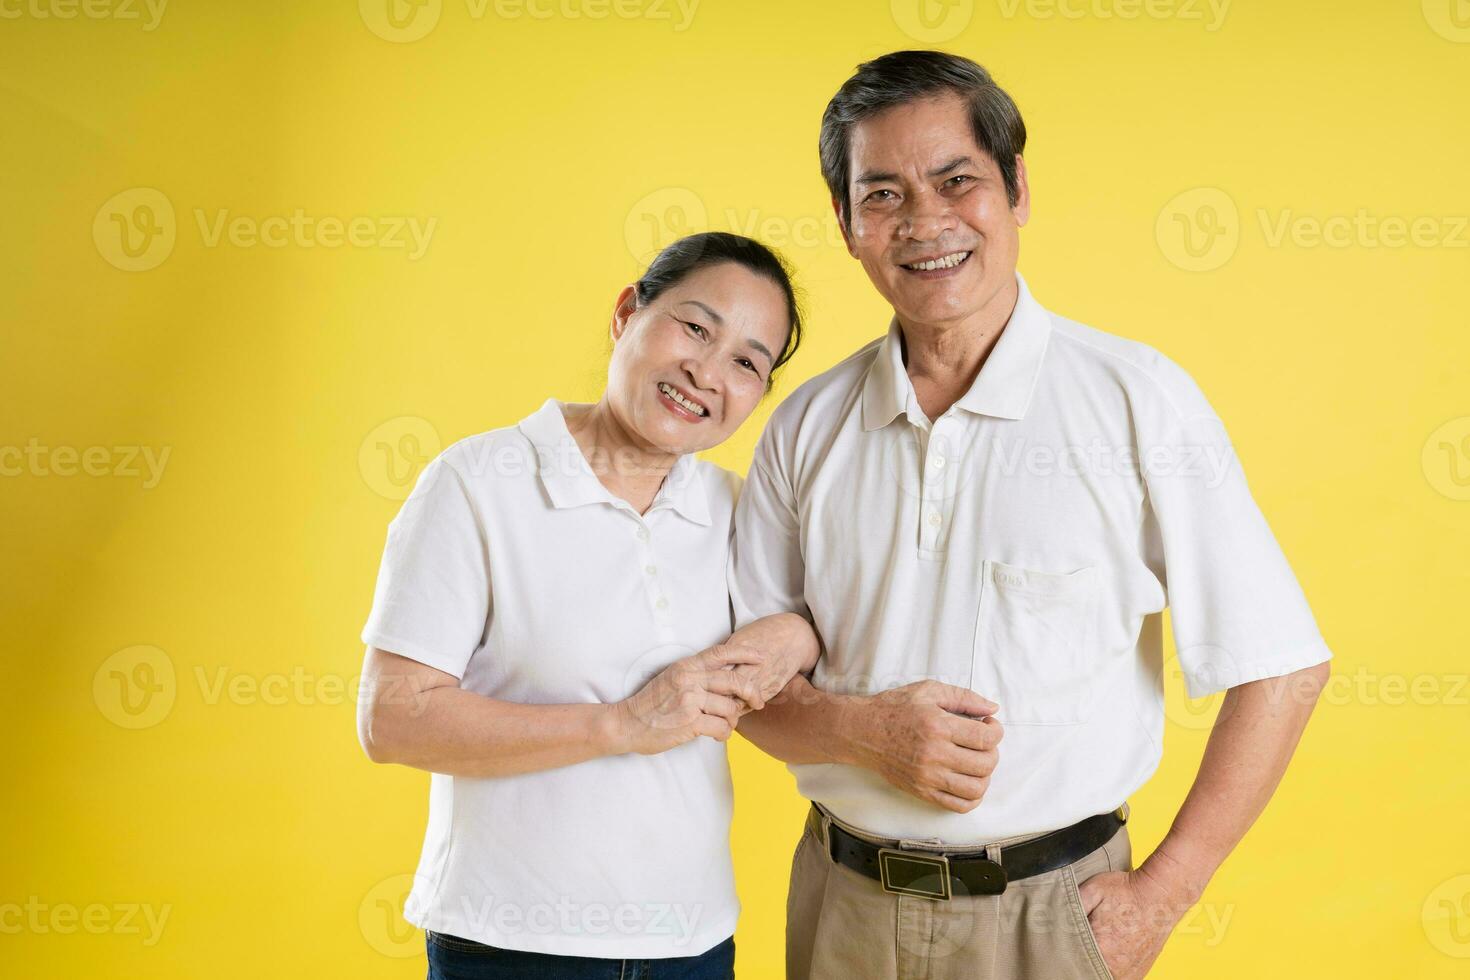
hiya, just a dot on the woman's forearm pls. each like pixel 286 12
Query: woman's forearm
pixel 459 733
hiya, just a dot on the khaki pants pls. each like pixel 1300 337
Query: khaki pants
pixel 841 925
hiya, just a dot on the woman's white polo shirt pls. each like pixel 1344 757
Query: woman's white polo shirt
pixel 513 568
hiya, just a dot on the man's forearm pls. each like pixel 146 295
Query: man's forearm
pixel 802 725
pixel 1255 734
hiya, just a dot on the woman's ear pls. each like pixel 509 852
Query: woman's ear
pixel 627 303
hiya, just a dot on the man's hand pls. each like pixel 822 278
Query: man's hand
pixel 1132 914
pixel 931 740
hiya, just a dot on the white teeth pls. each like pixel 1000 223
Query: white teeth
pixel 673 393
pixel 944 262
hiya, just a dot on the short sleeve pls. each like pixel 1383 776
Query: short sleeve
pixel 1238 612
pixel 432 600
pixel 766 573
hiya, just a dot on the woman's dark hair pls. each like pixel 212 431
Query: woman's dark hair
pixel 906 76
pixel 694 252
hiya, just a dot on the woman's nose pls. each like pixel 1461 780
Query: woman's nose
pixel 701 372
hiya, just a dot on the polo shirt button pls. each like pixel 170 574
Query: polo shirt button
pixel 650 569
pixel 934 518
pixel 643 534
pixel 938 462
pixel 662 603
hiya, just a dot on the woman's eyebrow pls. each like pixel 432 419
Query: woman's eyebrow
pixel 762 348
pixel 719 320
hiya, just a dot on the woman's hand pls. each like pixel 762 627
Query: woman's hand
pixel 789 647
pixel 704 694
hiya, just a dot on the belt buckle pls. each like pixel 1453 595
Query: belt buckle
pixel 891 868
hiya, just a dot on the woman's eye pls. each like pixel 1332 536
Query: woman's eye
pixel 696 328
pixel 746 363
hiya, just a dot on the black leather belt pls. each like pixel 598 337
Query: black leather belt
pixel 939 874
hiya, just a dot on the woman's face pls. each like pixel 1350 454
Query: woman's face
pixel 688 368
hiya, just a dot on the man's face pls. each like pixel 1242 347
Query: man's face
pixel 922 190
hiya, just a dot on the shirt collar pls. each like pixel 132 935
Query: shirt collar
pixel 570 481
pixel 1002 388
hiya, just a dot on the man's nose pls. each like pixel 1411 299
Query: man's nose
pixel 928 217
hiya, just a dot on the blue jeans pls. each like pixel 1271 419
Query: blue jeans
pixel 452 958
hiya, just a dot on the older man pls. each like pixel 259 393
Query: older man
pixel 984 513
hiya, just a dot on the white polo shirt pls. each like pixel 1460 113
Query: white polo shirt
pixel 513 568
pixel 1023 545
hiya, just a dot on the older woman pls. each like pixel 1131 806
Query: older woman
pixel 550 637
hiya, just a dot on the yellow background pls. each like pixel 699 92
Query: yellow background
pixel 554 153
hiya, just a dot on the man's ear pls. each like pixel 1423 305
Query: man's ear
pixel 842 226
pixel 627 303
pixel 1022 208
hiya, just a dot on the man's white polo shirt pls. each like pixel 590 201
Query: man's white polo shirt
pixel 1023 545
pixel 513 568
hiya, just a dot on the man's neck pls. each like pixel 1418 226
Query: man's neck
pixel 943 359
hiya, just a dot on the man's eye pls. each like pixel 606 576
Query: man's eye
pixel 960 177
pixel 876 198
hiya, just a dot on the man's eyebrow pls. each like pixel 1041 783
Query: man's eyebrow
pixel 954 164
pixel 719 320
pixel 883 177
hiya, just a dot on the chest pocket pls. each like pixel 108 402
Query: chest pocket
pixel 1034 644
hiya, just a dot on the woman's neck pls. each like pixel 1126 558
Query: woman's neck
pixel 630 468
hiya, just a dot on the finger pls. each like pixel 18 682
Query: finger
pixel 736 684
pixel 980 734
pixel 963 786
pixel 963 701
pixel 726 654
pixel 729 709
pixel 949 801
pixel 968 762
pixel 716 728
